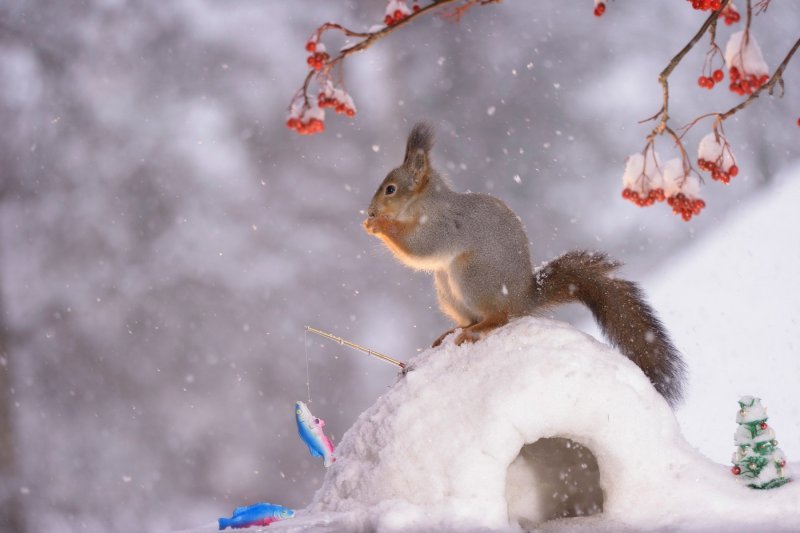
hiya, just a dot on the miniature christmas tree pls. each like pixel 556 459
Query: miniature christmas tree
pixel 757 460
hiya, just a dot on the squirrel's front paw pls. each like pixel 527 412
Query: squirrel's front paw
pixel 376 225
pixel 370 225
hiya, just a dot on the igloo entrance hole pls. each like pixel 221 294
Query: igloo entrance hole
pixel 553 478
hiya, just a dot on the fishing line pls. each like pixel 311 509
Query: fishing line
pixel 308 379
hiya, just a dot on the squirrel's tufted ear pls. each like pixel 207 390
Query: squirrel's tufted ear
pixel 420 142
pixel 418 165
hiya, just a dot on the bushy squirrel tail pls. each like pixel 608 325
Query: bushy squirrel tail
pixel 618 306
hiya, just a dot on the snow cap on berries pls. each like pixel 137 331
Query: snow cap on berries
pixel 314 112
pixel 338 99
pixel 682 190
pixel 750 410
pixel 676 179
pixel 745 56
pixel 637 166
pixel 713 151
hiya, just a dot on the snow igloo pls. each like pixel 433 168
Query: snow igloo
pixel 535 422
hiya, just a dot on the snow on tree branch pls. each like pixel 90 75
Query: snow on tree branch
pixel 306 113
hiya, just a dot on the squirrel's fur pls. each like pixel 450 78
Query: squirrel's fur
pixel 477 251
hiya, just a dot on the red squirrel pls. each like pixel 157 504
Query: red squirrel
pixel 477 250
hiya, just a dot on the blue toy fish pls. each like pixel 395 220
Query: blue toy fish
pixel 259 514
pixel 310 430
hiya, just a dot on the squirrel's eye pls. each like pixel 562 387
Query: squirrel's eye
pixel 390 189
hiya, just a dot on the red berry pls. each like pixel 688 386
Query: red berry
pixel 388 20
pixel 745 85
pixel 701 81
pixel 311 46
pixel 763 425
pixel 415 8
pixel 736 470
pixel 732 172
pixel 599 9
pixel 798 122
pixel 718 75
pixel 715 4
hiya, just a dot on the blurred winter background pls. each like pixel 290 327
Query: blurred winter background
pixel 164 238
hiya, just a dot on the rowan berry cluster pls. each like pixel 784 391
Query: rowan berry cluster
pixel 709 81
pixel 305 119
pixel 730 15
pixel 336 99
pixel 714 156
pixel 318 56
pixel 309 127
pixel 599 9
pixel 642 199
pixel 685 206
pixel 706 5
pixel 336 105
pixel 744 83
pixel 746 66
pixel 647 180
pixel 717 174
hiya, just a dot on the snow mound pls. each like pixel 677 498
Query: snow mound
pixel 452 446
pixel 435 450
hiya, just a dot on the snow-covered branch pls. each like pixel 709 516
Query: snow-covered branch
pixel 307 115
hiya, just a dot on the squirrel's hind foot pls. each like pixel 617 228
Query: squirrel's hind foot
pixel 468 336
pixel 439 340
pixel 475 332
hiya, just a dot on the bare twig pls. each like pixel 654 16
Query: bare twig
pixel 457 12
pixel 762 6
pixel 664 75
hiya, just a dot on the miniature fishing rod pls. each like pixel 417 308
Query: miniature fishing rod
pixel 373 353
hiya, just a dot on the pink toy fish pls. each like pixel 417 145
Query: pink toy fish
pixel 310 430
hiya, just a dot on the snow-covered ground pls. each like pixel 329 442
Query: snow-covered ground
pixel 732 304
pixel 445 448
